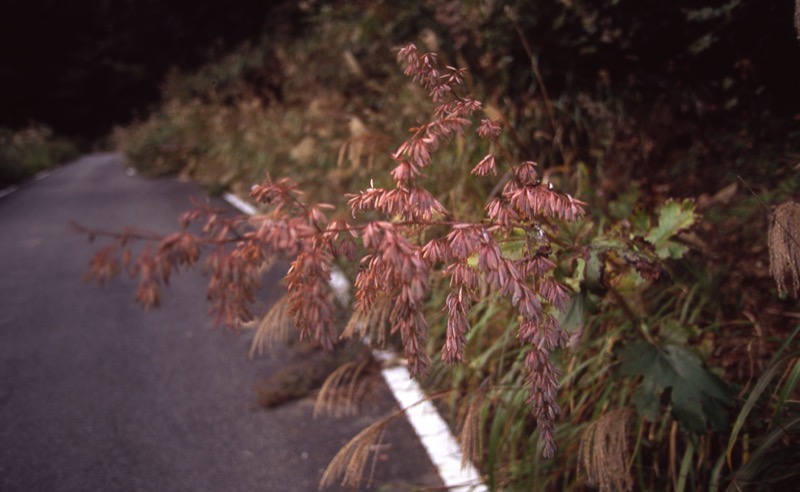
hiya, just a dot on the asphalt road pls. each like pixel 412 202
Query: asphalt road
pixel 96 394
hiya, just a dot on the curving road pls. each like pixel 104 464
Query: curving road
pixel 97 395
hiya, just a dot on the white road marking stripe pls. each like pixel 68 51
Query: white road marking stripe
pixel 240 204
pixel 433 432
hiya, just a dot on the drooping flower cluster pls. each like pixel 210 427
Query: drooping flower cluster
pixel 524 203
pixel 395 268
pixel 394 275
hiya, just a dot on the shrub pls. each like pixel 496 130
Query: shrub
pixel 27 152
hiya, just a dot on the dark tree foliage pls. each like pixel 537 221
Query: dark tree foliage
pixel 709 80
pixel 658 46
pixel 81 66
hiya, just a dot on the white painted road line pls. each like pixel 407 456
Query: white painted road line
pixel 240 204
pixel 433 432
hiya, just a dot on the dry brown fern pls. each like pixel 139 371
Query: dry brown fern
pixel 605 454
pixel 784 246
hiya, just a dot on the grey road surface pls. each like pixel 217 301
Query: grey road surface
pixel 97 395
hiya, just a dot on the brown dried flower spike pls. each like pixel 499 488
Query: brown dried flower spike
pixel 784 246
pixel 393 283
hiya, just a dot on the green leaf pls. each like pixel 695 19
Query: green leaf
pixel 699 398
pixel 673 218
pixel 647 401
pixel 623 206
pixel 640 222
pixel 578 276
pixel 594 270
pixel 685 467
pixel 674 331
pixel 572 318
pixel 755 394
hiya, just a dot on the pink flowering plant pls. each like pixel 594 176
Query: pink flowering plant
pixel 401 236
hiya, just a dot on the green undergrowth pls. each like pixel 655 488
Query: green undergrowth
pixel 655 360
pixel 683 366
pixel 24 153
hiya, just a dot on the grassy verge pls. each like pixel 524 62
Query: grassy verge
pixel 27 152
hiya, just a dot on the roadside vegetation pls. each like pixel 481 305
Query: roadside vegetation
pixel 24 153
pixel 666 290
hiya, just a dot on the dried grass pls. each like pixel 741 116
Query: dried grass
pixel 275 327
pixel 797 17
pixel 362 147
pixel 373 324
pixel 344 389
pixel 469 439
pixel 605 453
pixel 350 462
pixel 784 246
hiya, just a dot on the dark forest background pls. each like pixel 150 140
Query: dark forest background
pixel 81 66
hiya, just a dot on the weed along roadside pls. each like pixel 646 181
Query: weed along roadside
pixel 429 427
pixel 26 153
pixel 592 276
pixel 393 283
